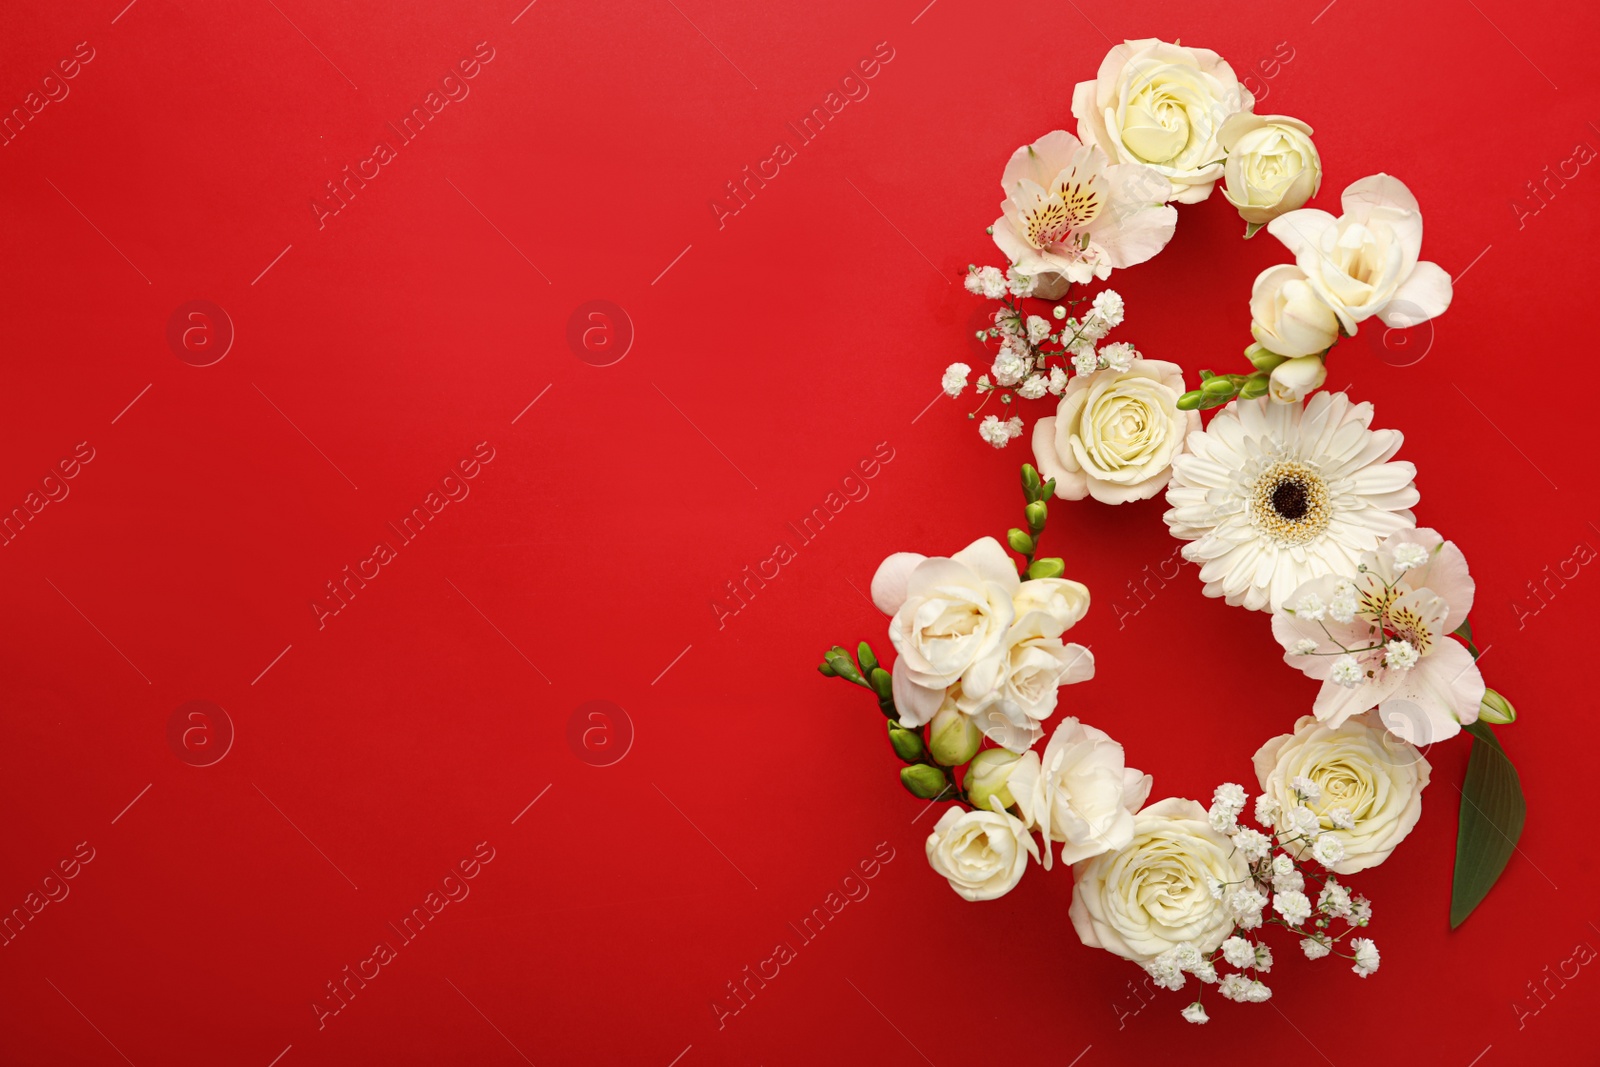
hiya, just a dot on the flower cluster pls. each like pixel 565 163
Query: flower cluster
pixel 1264 886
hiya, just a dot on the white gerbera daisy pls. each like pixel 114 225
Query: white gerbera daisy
pixel 1273 495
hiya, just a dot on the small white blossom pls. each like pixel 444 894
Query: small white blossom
pixel 1223 820
pixel 1058 312
pixel 984 385
pixel 1360 911
pixel 1010 366
pixel 1408 556
pixel 1366 956
pixel 1244 990
pixel 1305 820
pixel 955 379
pixel 1038 329
pixel 1120 356
pixel 1058 381
pixel 1217 887
pixel 1230 796
pixel 997 433
pixel 1205 971
pixel 991 283
pixel 1263 961
pixel 1334 900
pixel 1093 327
pixel 1343 608
pixel 1267 810
pixel 1165 970
pixel 1287 878
pixel 1400 655
pixel 1033 388
pixel 1304 647
pixel 1295 907
pixel 1253 843
pixel 1314 948
pixel 1308 789
pixel 1311 607
pixel 1109 306
pixel 1196 1013
pixel 1346 671
pixel 1238 952
pixel 1341 818
pixel 1327 850
pixel 1245 905
pixel 1085 362
pixel 1019 284
pixel 973 282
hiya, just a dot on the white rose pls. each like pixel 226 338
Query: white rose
pixel 1292 380
pixel 1362 769
pixel 982 853
pixel 1272 165
pixel 1365 263
pixel 1288 318
pixel 1154 894
pixel 951 616
pixel 1080 792
pixel 1162 105
pixel 1115 433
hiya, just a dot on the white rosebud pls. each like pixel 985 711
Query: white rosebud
pixel 1272 166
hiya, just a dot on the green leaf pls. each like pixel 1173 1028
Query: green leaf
pixel 1493 810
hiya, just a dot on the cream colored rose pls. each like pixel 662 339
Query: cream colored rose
pixel 1294 379
pixel 982 853
pixel 1162 105
pixel 1363 772
pixel 1287 316
pixel 1115 433
pixel 1272 165
pixel 1155 893
pixel 1080 792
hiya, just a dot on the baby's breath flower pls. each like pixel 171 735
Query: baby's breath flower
pixel 1032 388
pixel 1408 556
pixel 1238 952
pixel 1108 305
pixel 955 378
pixel 1119 357
pixel 1400 655
pixel 1196 1013
pixel 1346 671
pixel 1314 947
pixel 1058 381
pixel 1366 956
pixel 1327 850
pixel 1294 907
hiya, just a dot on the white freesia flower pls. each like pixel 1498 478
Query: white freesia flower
pixel 982 853
pixel 1272 495
pixel 1154 894
pixel 1162 105
pixel 1366 262
pixel 1287 316
pixel 1115 433
pixel 1367 778
pixel 1292 380
pixel 950 618
pixel 1070 215
pixel 1272 166
pixel 1036 663
pixel 1080 792
pixel 1423 683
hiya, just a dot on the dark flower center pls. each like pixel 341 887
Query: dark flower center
pixel 1290 500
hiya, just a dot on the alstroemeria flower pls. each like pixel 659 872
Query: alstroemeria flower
pixel 1381 638
pixel 1365 262
pixel 1071 215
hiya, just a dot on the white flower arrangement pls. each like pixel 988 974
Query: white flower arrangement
pixel 1288 500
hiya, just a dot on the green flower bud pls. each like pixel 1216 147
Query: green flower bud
pixel 953 738
pixel 1049 567
pixel 867 659
pixel 1254 386
pixel 922 780
pixel 1190 400
pixel 1496 709
pixel 842 665
pixel 1020 542
pixel 989 776
pixel 1218 386
pixel 1037 513
pixel 1262 359
pixel 1030 482
pixel 826 669
pixel 907 743
pixel 882 683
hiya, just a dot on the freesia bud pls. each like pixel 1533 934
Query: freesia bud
pixel 868 660
pixel 907 743
pixel 1292 381
pixel 1037 513
pixel 922 780
pixel 1288 317
pixel 1049 567
pixel 1020 542
pixel 1030 482
pixel 953 738
pixel 989 776
pixel 1496 709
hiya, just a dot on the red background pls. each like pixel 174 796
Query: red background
pixel 771 355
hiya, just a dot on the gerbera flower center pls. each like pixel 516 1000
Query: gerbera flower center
pixel 1290 502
